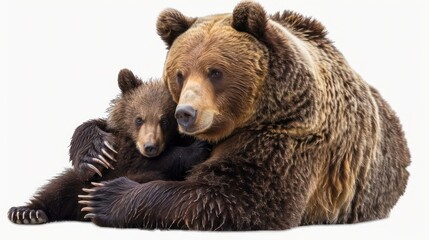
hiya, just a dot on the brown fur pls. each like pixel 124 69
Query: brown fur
pixel 300 137
pixel 151 101
pixel 158 125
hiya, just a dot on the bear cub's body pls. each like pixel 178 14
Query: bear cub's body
pixel 142 127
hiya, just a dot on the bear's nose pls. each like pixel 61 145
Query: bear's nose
pixel 150 149
pixel 185 115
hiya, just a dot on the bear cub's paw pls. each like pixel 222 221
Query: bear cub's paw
pixel 100 154
pixel 25 215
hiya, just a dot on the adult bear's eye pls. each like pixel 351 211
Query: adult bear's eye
pixel 215 75
pixel 180 78
pixel 139 121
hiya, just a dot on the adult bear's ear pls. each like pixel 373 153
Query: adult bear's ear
pixel 250 17
pixel 127 80
pixel 171 23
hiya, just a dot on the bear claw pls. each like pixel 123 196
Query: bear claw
pixel 87 209
pixel 101 162
pixel 85 196
pixel 108 155
pixel 24 215
pixel 96 184
pixel 89 215
pixel 88 190
pixel 107 144
pixel 94 169
pixel 84 202
pixel 101 158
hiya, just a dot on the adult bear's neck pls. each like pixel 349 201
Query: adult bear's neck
pixel 292 93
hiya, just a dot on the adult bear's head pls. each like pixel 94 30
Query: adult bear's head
pixel 217 69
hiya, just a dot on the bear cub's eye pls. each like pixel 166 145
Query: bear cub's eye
pixel 215 75
pixel 139 121
pixel 180 78
pixel 164 123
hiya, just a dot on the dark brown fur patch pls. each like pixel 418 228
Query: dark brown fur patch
pixel 309 28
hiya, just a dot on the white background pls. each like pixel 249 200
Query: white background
pixel 60 59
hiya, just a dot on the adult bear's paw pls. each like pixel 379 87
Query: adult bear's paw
pixel 25 215
pixel 107 203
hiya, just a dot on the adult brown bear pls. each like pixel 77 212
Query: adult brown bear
pixel 300 137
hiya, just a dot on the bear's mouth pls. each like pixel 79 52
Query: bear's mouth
pixel 150 154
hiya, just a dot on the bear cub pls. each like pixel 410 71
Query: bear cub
pixel 142 127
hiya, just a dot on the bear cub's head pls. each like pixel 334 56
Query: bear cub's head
pixel 144 113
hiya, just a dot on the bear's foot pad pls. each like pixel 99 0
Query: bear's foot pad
pixel 24 215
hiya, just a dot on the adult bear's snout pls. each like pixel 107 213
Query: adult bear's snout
pixel 185 115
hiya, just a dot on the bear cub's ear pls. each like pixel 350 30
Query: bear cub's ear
pixel 127 80
pixel 171 23
pixel 250 17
